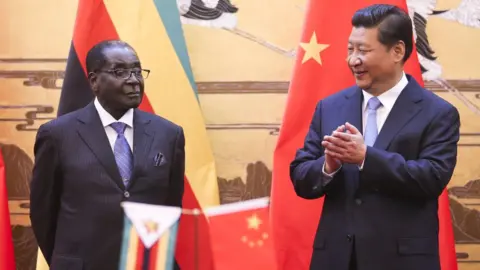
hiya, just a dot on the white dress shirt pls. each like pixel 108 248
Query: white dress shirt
pixel 108 119
pixel 388 99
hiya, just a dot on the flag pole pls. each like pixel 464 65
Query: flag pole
pixel 196 212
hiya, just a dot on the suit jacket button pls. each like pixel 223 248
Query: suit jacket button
pixel 358 201
pixel 349 237
pixel 126 194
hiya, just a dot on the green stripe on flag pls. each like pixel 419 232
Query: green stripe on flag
pixel 172 242
pixel 168 11
pixel 127 225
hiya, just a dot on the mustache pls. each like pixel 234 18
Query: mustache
pixel 133 88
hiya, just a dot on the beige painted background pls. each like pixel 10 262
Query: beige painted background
pixel 242 77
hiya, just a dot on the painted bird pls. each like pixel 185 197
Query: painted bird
pixel 420 11
pixel 467 13
pixel 221 14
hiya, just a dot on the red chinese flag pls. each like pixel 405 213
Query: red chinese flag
pixel 7 259
pixel 321 70
pixel 241 237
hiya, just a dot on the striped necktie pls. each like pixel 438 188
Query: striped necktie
pixel 371 130
pixel 123 153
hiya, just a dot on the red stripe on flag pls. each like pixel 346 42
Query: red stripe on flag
pixel 153 256
pixel 7 258
pixel 193 250
pixel 140 254
pixel 145 105
pixel 92 25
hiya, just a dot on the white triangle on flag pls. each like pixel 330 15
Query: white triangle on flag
pixel 151 221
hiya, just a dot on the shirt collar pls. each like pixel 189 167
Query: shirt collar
pixel 389 97
pixel 107 119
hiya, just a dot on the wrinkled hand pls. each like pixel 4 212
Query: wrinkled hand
pixel 332 164
pixel 348 147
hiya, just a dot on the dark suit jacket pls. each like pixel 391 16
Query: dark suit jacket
pixel 76 188
pixel 389 209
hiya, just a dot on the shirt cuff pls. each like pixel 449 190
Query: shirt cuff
pixel 329 175
pixel 361 166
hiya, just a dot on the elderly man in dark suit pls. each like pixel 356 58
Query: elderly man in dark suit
pixel 87 162
pixel 380 153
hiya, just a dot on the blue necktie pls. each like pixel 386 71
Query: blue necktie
pixel 122 152
pixel 371 130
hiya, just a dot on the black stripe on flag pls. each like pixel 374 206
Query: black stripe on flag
pixel 76 92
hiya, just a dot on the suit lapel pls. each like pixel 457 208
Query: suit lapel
pixel 142 140
pixel 352 108
pixel 351 112
pixel 92 132
pixel 405 108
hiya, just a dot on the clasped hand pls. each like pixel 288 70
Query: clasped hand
pixel 345 145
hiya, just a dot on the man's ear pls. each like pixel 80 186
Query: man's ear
pixel 398 51
pixel 92 79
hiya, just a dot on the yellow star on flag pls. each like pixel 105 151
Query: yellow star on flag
pixel 254 222
pixel 313 49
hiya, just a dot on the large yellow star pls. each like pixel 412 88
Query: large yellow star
pixel 313 49
pixel 254 222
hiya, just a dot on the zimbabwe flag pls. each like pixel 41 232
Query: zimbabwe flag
pixel 153 29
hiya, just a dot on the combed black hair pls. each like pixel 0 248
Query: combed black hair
pixel 393 23
pixel 96 57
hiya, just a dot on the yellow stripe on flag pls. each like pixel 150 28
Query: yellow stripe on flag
pixel 168 89
pixel 163 250
pixel 41 262
pixel 133 242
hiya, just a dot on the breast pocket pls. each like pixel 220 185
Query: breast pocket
pixel 158 173
pixel 157 165
pixel 155 172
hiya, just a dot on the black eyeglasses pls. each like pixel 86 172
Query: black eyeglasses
pixel 122 73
